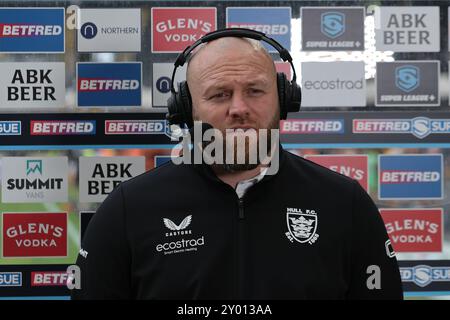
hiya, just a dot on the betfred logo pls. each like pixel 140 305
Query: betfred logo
pixel 272 21
pixel 56 127
pixel 410 176
pixel 109 84
pixel 353 166
pixel 39 30
pixel 34 234
pixel 114 127
pixel 173 29
pixel 414 230
pixel 49 278
pixel 100 175
pixel 312 126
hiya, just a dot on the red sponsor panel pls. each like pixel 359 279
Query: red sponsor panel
pixel 353 166
pixel 284 67
pixel 414 230
pixel 49 278
pixel 173 29
pixel 34 234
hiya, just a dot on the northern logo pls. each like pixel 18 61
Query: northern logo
pixel 302 226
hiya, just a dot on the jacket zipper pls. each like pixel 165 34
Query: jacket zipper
pixel 240 250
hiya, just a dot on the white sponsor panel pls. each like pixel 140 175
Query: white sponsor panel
pixel 333 84
pixel 109 30
pixel 30 179
pixel 407 29
pixel 162 76
pixel 100 175
pixel 32 85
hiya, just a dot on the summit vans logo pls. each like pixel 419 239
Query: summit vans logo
pixel 302 226
pixel 34 179
pixel 183 245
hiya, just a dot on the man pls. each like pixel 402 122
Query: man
pixel 231 231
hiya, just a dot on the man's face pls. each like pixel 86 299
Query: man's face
pixel 233 86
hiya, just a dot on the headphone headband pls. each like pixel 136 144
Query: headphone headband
pixel 233 32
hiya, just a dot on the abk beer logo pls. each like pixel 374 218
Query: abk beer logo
pixel 407 29
pixel 333 84
pixel 34 234
pixel 353 166
pixel 414 230
pixel 10 128
pixel 109 84
pixel 10 279
pixel 312 126
pixel 49 278
pixel 59 127
pixel 173 29
pixel 332 28
pixel 26 179
pixel 410 176
pixel 162 76
pixel 32 30
pixel 32 85
pixel 425 275
pixel 420 127
pixel 273 21
pixel 110 30
pixel 100 175
pixel 407 83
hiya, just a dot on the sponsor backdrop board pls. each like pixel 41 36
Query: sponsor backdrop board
pixel 375 97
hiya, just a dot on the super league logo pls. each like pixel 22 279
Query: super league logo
pixel 407 78
pixel 332 24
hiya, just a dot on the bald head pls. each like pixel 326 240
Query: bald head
pixel 209 57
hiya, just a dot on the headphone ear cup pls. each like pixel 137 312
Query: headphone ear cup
pixel 282 96
pixel 185 104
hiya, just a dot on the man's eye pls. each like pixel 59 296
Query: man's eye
pixel 255 91
pixel 219 95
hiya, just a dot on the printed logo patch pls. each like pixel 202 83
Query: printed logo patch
pixel 302 226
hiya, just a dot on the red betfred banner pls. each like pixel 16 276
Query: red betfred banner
pixel 414 230
pixel 174 29
pixel 34 234
pixel 353 166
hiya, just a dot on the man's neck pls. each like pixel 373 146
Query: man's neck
pixel 233 178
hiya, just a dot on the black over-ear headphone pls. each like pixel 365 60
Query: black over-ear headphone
pixel 180 103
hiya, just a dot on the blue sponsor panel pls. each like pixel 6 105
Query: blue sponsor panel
pixel 274 22
pixel 10 128
pixel 10 279
pixel 32 30
pixel 427 276
pixel 159 160
pixel 109 84
pixel 410 177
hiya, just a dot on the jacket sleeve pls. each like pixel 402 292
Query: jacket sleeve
pixel 105 266
pixel 374 269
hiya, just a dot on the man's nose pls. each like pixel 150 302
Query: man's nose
pixel 239 106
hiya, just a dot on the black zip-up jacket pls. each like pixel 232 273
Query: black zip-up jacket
pixel 178 232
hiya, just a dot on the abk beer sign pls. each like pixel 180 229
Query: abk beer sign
pixel 100 175
pixel 173 29
pixel 34 234
pixel 414 230
pixel 32 85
